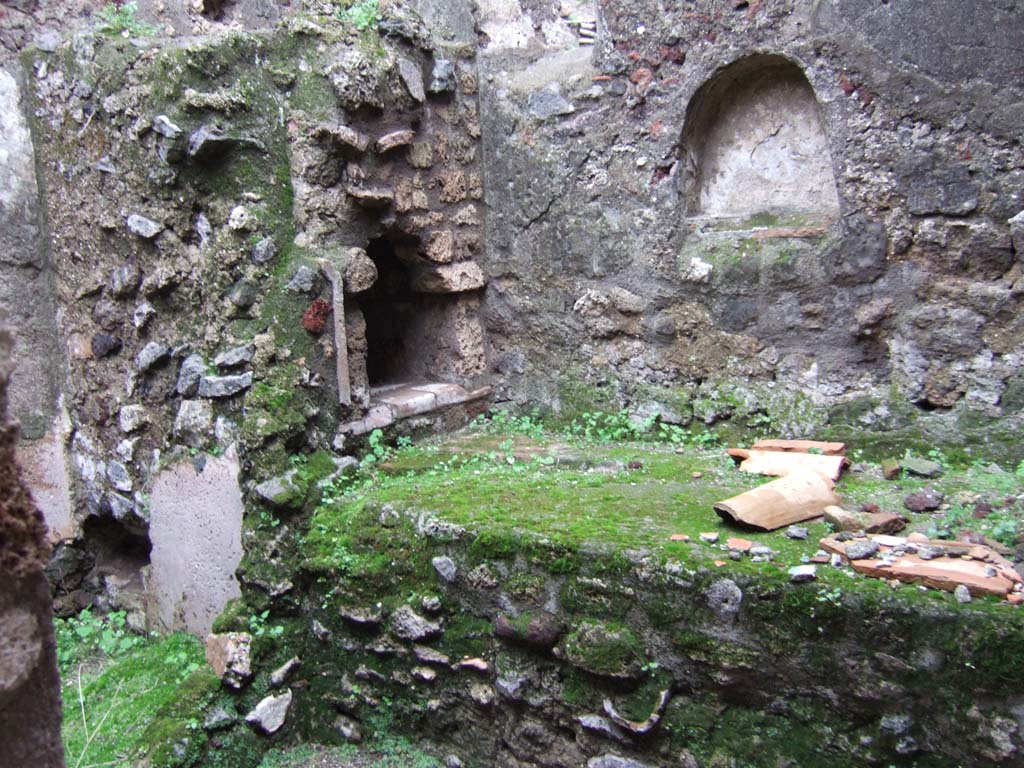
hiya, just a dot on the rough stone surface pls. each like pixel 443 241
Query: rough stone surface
pixel 29 687
pixel 927 500
pixel 132 418
pixel 442 77
pixel 360 271
pixel 230 655
pixel 269 715
pixel 280 675
pixel 193 425
pixel 145 228
pixel 921 467
pixel 280 491
pixel 724 598
pixel 413 78
pixel 549 102
pixel 446 568
pixel 395 139
pixel 614 761
pixel 192 370
pixel 798 574
pixel 151 355
pixel 408 625
pixel 264 251
pixel 541 631
pixel 224 386
pixel 243 294
pixel 235 357
pixel 450 278
pixel 861 549
pixel 303 280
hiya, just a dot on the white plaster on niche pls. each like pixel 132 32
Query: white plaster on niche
pixel 757 145
pixel 196 529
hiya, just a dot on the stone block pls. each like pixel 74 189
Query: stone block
pixel 453 186
pixel 421 154
pixel 440 247
pixel 366 197
pixel 230 655
pixel 450 278
pixel 195 524
pixel 194 423
pixel 360 271
pixel 270 714
pixel 413 79
pixel 394 140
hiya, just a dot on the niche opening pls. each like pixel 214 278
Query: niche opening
pixel 397 346
pixel 755 149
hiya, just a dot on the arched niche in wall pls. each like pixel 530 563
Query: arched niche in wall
pixel 754 148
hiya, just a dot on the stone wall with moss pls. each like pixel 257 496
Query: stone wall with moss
pixel 202 197
pixel 899 313
pixel 504 648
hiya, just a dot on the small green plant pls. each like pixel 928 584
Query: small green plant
pixel 268 519
pixel 1002 525
pixel 610 427
pixel 258 626
pixel 362 15
pixel 502 421
pixel 832 596
pixel 379 450
pixel 119 18
pixel 88 638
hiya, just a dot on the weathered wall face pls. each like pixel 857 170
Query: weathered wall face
pixel 214 209
pixel 901 314
pixel 29 687
pixel 27 302
pixel 44 22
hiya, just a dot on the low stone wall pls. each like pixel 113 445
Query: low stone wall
pixel 505 650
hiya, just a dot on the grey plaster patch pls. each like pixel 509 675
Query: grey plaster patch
pixel 195 526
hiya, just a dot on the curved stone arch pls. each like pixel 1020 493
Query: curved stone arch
pixel 754 145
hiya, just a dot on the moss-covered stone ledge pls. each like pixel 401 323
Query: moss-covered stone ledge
pixel 532 613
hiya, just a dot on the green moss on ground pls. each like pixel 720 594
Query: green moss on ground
pixel 387 752
pixel 148 702
pixel 520 496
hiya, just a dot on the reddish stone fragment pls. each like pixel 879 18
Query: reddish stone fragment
pixel 315 317
pixel 642 77
pixel 743 545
